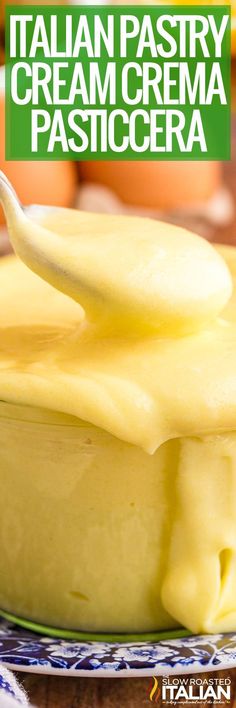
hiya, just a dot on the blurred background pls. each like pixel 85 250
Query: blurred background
pixel 198 195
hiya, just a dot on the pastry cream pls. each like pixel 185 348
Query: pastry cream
pixel 117 439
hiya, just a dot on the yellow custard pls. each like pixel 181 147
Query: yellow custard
pixel 117 442
pixel 127 367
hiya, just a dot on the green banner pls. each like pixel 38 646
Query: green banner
pixel 125 82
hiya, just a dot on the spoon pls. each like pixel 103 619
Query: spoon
pixel 39 248
pixel 130 273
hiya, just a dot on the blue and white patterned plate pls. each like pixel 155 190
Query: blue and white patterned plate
pixel 23 650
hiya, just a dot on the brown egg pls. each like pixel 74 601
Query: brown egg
pixel 156 185
pixel 38 182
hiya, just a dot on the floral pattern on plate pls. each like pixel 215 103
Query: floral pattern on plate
pixel 24 650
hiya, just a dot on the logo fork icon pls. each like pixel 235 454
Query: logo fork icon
pixel 155 691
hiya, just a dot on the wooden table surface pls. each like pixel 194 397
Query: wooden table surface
pixel 51 692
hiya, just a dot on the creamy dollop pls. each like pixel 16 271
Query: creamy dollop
pixel 149 356
pixel 129 274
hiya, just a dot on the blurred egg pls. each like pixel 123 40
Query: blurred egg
pixel 52 183
pixel 156 185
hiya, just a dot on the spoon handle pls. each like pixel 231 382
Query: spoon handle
pixel 9 199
